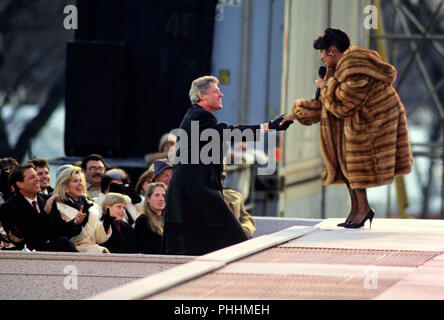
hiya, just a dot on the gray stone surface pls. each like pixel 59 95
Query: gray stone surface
pixel 268 225
pixel 42 275
pixel 49 276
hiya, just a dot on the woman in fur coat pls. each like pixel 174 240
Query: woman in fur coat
pixel 363 127
pixel 71 200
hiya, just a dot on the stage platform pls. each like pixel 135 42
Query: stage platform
pixel 396 259
pixel 288 260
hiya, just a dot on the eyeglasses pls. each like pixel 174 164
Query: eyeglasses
pixel 96 168
pixel 328 53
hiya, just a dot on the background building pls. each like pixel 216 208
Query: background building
pixel 131 62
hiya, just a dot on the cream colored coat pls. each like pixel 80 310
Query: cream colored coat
pixel 92 234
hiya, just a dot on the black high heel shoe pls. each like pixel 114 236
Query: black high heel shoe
pixel 343 224
pixel 369 216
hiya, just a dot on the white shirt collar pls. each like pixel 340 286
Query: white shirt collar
pixel 31 200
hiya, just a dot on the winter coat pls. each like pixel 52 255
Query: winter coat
pixel 92 233
pixel 235 201
pixel 197 220
pixel 25 226
pixel 363 125
pixel 148 241
pixel 122 240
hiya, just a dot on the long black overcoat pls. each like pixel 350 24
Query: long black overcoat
pixel 197 219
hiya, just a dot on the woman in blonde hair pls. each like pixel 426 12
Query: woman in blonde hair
pixel 71 201
pixel 149 225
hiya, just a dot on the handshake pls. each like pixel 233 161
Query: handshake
pixel 280 123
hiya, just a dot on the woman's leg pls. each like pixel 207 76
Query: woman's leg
pixel 354 203
pixel 363 206
pixel 353 200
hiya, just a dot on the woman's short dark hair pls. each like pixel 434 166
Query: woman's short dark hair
pixel 332 37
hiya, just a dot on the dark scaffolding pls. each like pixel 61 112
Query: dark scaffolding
pixel 411 39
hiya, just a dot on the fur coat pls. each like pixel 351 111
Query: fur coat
pixel 363 126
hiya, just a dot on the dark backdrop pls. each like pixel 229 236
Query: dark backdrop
pixel 129 71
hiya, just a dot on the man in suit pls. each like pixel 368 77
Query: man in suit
pixel 197 219
pixel 29 219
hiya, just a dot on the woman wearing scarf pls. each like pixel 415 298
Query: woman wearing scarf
pixel 71 200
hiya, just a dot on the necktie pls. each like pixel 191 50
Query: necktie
pixel 34 204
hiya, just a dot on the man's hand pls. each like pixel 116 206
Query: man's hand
pixel 49 203
pixel 279 124
pixel 288 118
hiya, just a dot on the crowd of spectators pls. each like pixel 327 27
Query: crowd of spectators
pixel 92 207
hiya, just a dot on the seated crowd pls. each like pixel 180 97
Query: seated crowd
pixel 92 208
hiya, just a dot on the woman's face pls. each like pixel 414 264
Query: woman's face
pixel 146 184
pixel 330 56
pixel 165 176
pixel 76 187
pixel 157 200
pixel 117 210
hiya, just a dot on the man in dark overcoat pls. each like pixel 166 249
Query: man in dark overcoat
pixel 197 219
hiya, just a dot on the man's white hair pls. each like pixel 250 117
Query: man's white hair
pixel 201 85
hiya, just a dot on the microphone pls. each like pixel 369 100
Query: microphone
pixel 322 71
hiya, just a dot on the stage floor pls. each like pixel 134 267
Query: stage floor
pixel 396 259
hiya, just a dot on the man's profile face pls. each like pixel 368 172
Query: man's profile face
pixel 30 185
pixel 212 100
